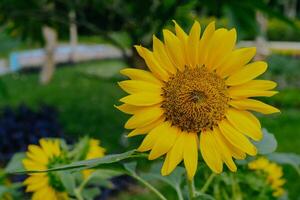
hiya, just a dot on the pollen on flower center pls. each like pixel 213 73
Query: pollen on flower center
pixel 195 99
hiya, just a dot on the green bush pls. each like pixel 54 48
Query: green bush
pixel 281 31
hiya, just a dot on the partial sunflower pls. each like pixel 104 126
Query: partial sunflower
pixel 45 186
pixel 274 174
pixel 94 151
pixel 197 88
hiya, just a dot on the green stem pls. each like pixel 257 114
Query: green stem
pixel 149 186
pixel 78 191
pixel 191 188
pixel 179 193
pixel 207 183
pixel 236 193
pixel 77 194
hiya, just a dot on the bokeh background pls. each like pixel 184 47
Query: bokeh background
pixel 60 62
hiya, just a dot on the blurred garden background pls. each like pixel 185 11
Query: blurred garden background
pixel 60 63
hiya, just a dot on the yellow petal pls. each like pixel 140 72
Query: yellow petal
pixel 142 75
pixel 142 99
pixel 45 193
pixel 145 129
pixel 35 178
pixel 202 50
pixel 256 85
pixel 40 159
pixel 237 93
pixel 223 150
pixel 33 186
pixel 214 46
pixel 37 154
pixel 167 138
pixel 236 138
pixel 253 118
pixel 133 86
pixel 161 55
pixel 128 109
pixel 190 154
pixel 45 144
pixel 175 49
pixel 31 165
pixel 209 152
pixel 144 117
pixel 183 37
pixel 152 63
pixel 247 73
pixel 193 44
pixel 150 139
pixel 54 147
pixel 175 155
pixel 235 152
pixel 223 49
pixel 255 105
pixel 179 32
pixel 235 61
pixel 242 123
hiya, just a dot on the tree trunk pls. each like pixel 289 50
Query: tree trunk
pixel 73 36
pixel 290 8
pixel 261 40
pixel 50 37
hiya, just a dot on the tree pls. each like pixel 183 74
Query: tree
pixel 136 19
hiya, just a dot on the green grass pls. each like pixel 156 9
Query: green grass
pixel 286 129
pixel 84 95
pixel 85 103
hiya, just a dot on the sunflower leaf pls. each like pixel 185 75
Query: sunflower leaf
pixel 131 168
pixel 15 163
pixel 68 181
pixel 174 179
pixel 287 158
pixel 91 193
pixel 86 164
pixel 268 144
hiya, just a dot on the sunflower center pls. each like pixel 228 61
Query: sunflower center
pixel 54 178
pixel 195 99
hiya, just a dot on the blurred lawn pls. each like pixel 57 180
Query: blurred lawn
pixel 85 102
pixel 84 95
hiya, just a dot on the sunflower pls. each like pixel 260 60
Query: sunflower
pixel 197 93
pixel 94 151
pixel 274 174
pixel 45 186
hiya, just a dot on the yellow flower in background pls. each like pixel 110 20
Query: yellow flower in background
pixel 197 93
pixel 44 186
pixel 94 151
pixel 274 174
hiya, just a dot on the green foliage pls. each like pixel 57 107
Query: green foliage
pixel 26 19
pixel 280 31
pixel 8 190
pixel 242 14
pixel 74 94
pixel 242 185
pixel 267 145
pixel 285 70
pixel 15 164
pixel 287 158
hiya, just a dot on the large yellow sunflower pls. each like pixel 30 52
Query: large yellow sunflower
pixel 274 174
pixel 44 186
pixel 197 93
